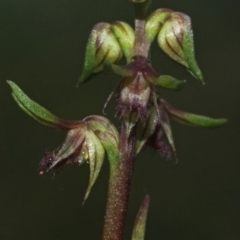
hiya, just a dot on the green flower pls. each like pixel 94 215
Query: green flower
pixel 86 141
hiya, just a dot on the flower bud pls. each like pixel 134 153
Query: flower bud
pixel 176 40
pixel 102 46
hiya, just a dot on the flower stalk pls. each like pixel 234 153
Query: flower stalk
pixel 118 190
pixel 145 116
pixel 141 44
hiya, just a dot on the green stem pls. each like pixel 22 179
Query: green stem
pixel 141 45
pixel 118 191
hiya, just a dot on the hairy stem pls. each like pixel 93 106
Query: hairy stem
pixel 118 191
pixel 141 45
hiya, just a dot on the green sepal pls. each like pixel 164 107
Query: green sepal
pixel 188 49
pixel 107 134
pixel 175 38
pixel 38 112
pixel 109 143
pixel 114 68
pixel 193 119
pixel 168 82
pixel 96 156
pixel 155 21
pixel 125 36
pixel 102 45
pixel 140 221
pixel 100 123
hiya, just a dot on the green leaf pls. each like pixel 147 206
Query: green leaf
pixel 193 119
pixel 38 112
pixel 168 82
pixel 140 221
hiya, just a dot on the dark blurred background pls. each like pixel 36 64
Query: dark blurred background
pixel 42 49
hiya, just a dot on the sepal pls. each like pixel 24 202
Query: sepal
pixel 95 153
pixel 106 132
pixel 125 36
pixel 38 112
pixel 176 40
pixel 193 119
pixel 155 21
pixel 102 46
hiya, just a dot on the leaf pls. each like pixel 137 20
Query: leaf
pixel 140 221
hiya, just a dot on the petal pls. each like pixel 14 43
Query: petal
pixel 193 119
pixel 37 112
pixel 140 221
pixel 74 143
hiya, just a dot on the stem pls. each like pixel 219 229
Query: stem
pixel 141 44
pixel 118 190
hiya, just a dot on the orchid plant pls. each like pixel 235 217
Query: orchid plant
pixel 144 115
